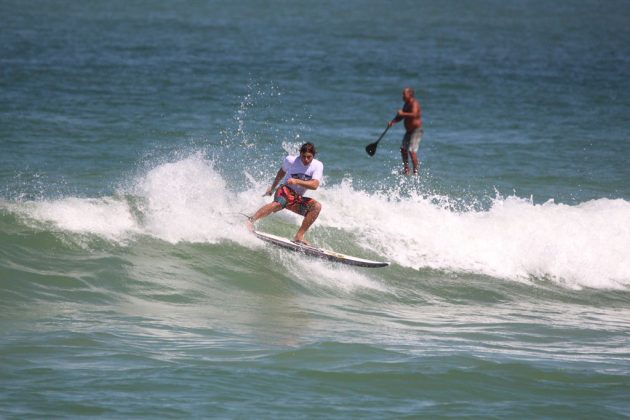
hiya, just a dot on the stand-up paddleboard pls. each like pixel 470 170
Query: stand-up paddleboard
pixel 318 252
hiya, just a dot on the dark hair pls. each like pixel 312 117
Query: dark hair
pixel 308 148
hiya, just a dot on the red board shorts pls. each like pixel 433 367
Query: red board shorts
pixel 291 200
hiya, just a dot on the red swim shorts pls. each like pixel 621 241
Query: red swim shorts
pixel 291 200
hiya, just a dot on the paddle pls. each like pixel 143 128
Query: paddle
pixel 371 148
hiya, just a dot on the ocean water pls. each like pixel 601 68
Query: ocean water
pixel 135 135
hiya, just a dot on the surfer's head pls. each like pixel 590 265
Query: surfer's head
pixel 307 153
pixel 308 147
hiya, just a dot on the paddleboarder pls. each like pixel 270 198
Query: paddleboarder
pixel 412 114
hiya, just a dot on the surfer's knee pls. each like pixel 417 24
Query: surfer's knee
pixel 315 208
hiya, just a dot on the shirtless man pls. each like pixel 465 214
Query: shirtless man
pixel 412 115
pixel 298 174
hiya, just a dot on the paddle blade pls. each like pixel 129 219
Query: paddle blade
pixel 371 148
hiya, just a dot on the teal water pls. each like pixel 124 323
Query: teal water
pixel 133 136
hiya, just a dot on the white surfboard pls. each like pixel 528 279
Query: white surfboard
pixel 318 252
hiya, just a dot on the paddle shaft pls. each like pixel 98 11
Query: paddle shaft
pixel 379 139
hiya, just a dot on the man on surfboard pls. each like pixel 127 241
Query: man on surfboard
pixel 298 174
pixel 412 115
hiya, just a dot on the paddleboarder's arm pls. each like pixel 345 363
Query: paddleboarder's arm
pixel 281 173
pixel 395 120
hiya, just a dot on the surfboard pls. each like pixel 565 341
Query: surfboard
pixel 318 252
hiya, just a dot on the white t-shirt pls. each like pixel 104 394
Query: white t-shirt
pixel 294 168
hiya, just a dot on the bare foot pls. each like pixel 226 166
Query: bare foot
pixel 249 225
pixel 301 241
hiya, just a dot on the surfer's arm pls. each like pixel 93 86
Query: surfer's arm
pixel 281 173
pixel 311 184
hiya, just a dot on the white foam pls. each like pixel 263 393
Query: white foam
pixel 579 246
pixel 106 217
pixel 183 200
pixel 583 245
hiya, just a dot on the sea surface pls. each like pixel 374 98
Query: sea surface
pixel 135 136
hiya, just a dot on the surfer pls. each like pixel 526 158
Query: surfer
pixel 298 174
pixel 412 114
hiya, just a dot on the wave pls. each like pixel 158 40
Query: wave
pixel 190 201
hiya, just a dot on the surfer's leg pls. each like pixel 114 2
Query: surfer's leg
pixel 309 218
pixel 263 212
